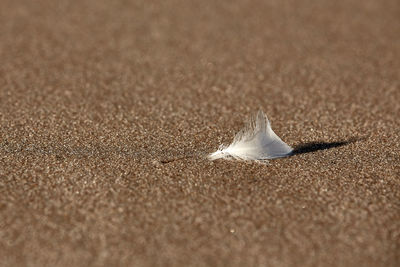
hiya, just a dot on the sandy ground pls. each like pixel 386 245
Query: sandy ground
pixel 108 109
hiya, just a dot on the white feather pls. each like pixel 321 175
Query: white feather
pixel 256 141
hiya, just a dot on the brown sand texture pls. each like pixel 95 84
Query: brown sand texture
pixel 108 110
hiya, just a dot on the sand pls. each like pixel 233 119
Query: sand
pixel 108 110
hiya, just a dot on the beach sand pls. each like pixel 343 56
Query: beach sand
pixel 108 110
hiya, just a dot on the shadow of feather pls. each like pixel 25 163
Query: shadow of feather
pixel 317 146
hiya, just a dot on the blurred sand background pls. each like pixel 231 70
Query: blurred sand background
pixel 108 109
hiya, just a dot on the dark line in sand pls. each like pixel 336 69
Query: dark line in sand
pixel 165 161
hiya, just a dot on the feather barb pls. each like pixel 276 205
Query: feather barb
pixel 256 141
